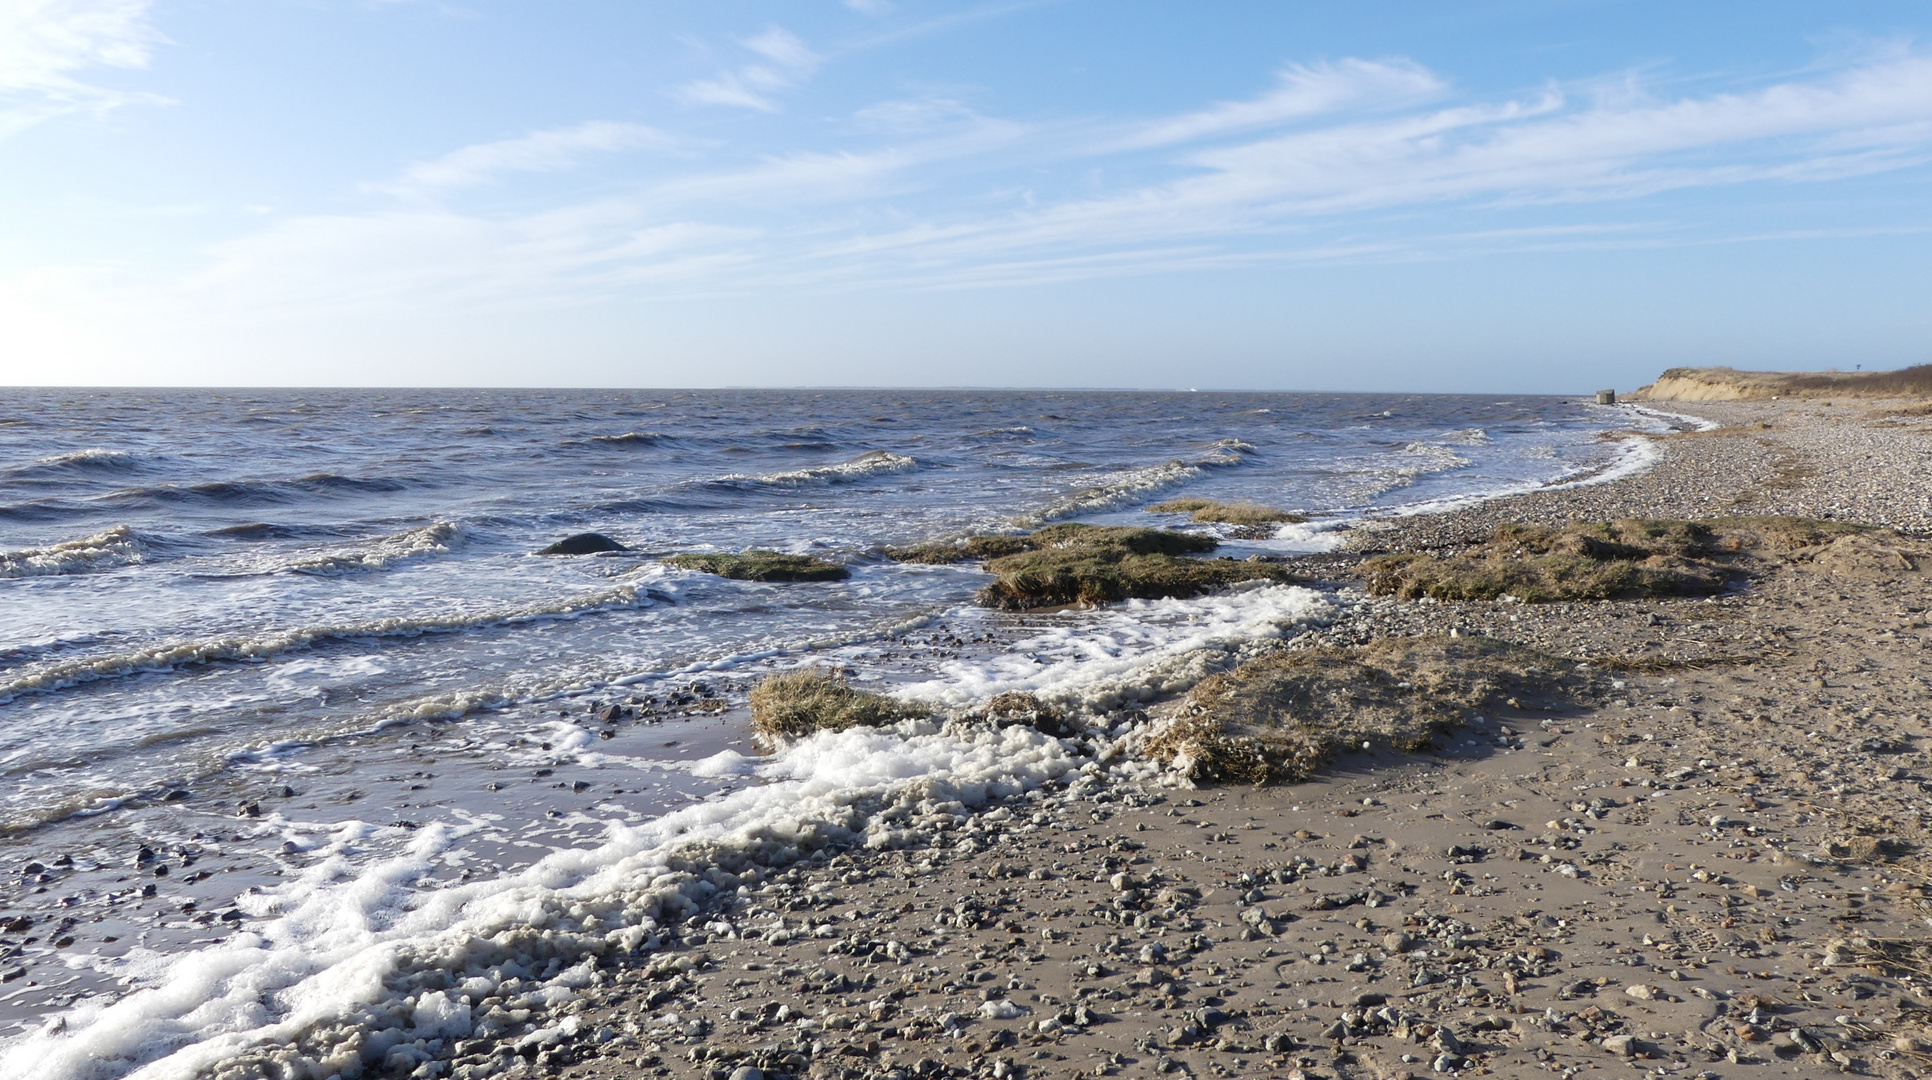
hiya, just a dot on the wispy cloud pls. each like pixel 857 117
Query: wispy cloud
pixel 1301 91
pixel 785 62
pixel 47 45
pixel 539 151
pixel 1357 160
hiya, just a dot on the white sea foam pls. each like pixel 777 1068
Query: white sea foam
pixel 1126 652
pixel 382 553
pixel 869 464
pixel 118 546
pixel 1697 423
pixel 343 951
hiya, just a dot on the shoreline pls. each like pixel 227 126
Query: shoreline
pixel 1117 994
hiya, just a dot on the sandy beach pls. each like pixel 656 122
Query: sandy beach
pixel 1703 859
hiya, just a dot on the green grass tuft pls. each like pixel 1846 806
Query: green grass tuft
pixel 1228 513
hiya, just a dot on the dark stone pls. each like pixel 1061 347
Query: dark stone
pixel 583 544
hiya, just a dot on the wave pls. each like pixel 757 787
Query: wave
pixel 198 653
pixel 1135 486
pixel 867 465
pixel 383 553
pixel 262 530
pixel 255 492
pixel 627 440
pixel 118 546
pixel 93 460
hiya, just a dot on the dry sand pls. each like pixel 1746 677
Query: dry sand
pixel 1715 866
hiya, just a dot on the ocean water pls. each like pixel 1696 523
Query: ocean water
pixel 275 656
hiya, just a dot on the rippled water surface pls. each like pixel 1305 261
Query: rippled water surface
pixel 210 595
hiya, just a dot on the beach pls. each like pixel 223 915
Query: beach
pixel 1691 843
pixel 1713 871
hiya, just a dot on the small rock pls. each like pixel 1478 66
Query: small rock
pixel 1621 1045
pixel 583 544
pixel 1398 942
pixel 1641 992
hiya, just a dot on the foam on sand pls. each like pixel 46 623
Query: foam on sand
pixel 354 971
pixel 1127 652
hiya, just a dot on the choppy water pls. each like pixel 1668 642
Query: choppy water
pixel 326 604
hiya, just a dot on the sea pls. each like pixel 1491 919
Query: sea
pixel 284 678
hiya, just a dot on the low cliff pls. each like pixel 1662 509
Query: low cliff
pixel 1730 384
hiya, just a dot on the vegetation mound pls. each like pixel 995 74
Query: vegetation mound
pixel 1282 716
pixel 1633 558
pixel 1228 513
pixel 759 565
pixel 971 549
pixel 1094 564
pixel 797 703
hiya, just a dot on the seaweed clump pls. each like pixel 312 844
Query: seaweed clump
pixel 759 565
pixel 1284 715
pixel 971 549
pixel 1207 510
pixel 794 704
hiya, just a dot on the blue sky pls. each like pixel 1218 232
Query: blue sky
pixel 1532 195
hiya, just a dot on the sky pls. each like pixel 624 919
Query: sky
pixel 1412 195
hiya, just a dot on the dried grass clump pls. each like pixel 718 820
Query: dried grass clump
pixel 797 703
pixel 759 565
pixel 1536 564
pixel 1281 717
pixel 1635 558
pixel 1228 513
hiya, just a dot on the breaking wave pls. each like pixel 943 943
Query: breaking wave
pixel 402 547
pixel 865 466
pixel 118 546
pixel 1135 486
pixel 91 460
